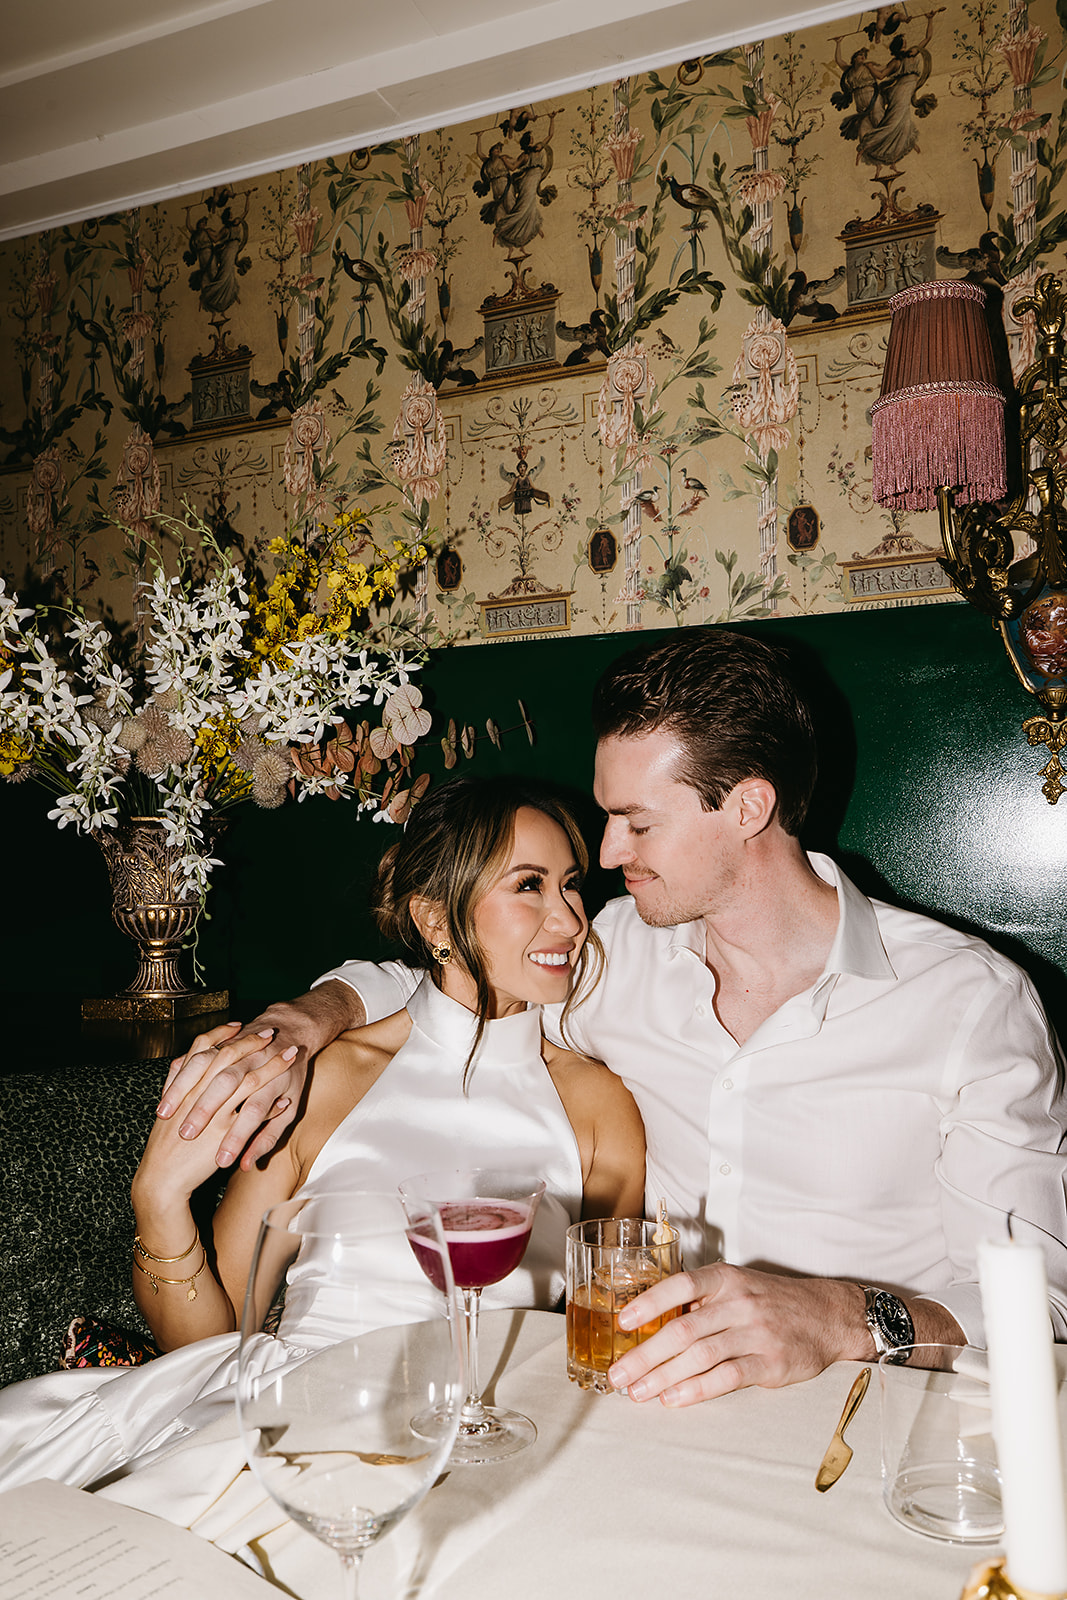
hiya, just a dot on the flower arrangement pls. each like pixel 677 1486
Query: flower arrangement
pixel 238 691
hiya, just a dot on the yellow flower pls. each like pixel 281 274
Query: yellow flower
pixel 14 751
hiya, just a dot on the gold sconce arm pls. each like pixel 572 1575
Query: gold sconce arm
pixel 979 551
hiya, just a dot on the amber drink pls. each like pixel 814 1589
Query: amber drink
pixel 609 1262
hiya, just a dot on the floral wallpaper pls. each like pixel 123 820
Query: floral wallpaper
pixel 615 352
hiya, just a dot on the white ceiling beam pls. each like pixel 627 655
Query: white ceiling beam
pixel 102 149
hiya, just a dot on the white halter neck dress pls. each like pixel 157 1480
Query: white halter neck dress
pixel 80 1427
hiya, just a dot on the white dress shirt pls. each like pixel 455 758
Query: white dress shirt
pixel 875 1128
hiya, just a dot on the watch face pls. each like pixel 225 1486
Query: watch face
pixel 894 1319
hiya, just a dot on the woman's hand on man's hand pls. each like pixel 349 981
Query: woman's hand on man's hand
pixel 259 1062
pixel 263 1065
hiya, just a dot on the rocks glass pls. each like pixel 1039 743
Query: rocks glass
pixel 609 1262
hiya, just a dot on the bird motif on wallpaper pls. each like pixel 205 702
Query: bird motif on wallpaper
pixel 362 272
pixel 646 499
pixel 669 586
pixel 591 338
pixel 455 364
pixel 804 296
pixel 689 195
pixel 697 495
pixel 981 265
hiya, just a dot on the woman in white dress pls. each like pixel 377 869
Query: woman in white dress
pixel 483 891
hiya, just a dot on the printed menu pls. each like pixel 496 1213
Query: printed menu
pixel 58 1543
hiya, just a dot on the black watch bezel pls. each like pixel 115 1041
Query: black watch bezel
pixel 893 1319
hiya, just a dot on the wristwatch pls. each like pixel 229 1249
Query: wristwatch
pixel 889 1320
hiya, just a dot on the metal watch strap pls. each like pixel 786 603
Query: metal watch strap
pixel 869 1297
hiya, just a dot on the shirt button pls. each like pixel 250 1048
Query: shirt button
pixel 701 1011
pixel 727 1083
pixel 725 1169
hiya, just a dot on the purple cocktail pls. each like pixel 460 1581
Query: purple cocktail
pixel 486 1218
pixel 486 1240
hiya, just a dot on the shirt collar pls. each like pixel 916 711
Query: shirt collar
pixel 688 936
pixel 857 948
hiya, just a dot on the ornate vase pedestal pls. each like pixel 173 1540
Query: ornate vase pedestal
pixel 147 905
pixel 128 1007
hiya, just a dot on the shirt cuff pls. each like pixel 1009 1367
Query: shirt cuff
pixel 964 1302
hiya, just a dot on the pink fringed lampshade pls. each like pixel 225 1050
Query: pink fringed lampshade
pixel 939 422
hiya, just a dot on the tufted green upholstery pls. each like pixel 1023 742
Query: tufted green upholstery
pixel 71 1143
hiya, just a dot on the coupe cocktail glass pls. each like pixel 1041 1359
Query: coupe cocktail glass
pixel 487 1216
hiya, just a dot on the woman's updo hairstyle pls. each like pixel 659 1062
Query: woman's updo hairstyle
pixel 455 845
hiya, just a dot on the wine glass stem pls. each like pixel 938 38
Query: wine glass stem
pixel 350 1565
pixel 473 1409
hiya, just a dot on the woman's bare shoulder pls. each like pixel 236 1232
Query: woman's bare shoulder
pixel 573 1073
pixel 557 1059
pixel 358 1046
pixel 342 1074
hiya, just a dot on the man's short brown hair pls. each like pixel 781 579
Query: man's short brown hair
pixel 731 703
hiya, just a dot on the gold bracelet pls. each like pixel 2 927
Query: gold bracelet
pixel 139 1245
pixel 155 1280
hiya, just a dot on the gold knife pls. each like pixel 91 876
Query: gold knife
pixel 838 1455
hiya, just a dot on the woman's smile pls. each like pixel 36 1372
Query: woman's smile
pixel 531 924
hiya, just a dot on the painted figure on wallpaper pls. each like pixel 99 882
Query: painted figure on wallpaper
pixel 522 494
pixel 885 96
pixel 448 569
pixel 802 527
pixel 603 551
pixel 516 184
pixel 216 240
pixel 859 88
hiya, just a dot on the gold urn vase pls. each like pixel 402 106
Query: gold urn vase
pixel 148 905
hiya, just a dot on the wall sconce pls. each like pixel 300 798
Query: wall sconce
pixel 939 436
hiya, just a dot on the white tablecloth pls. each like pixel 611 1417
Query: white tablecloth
pixel 616 1500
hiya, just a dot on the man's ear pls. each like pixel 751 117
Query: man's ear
pixel 430 919
pixel 756 801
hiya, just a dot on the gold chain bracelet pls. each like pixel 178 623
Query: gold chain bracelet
pixel 155 1280
pixel 139 1245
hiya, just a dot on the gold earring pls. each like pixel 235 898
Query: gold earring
pixel 442 954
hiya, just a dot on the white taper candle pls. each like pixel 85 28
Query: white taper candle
pixel 1022 1375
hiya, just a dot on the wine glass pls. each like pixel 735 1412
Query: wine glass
pixel 328 1434
pixel 487 1215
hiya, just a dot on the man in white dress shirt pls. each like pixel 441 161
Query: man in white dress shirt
pixel 840 1098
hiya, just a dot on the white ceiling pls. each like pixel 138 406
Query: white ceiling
pixel 110 103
